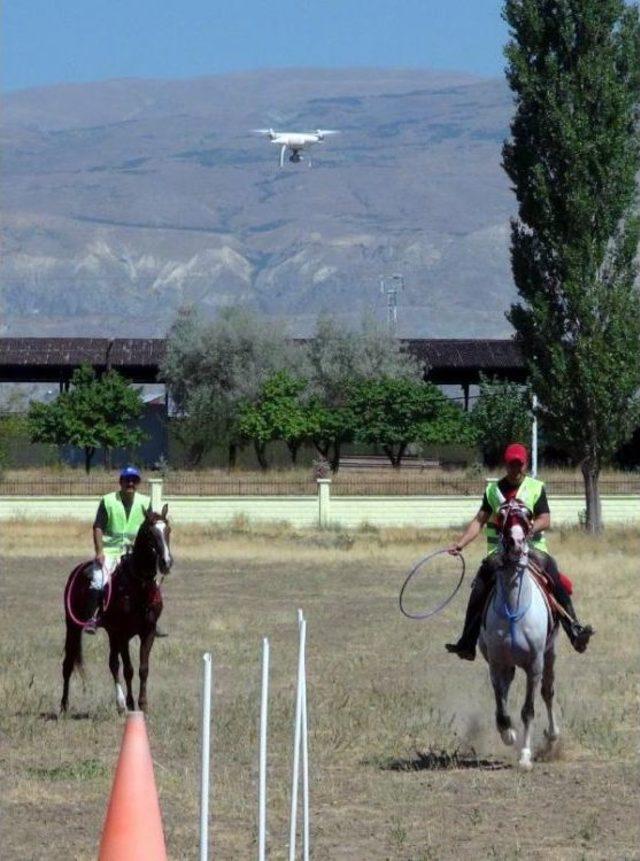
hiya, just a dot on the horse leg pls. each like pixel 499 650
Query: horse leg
pixel 114 666
pixel 72 658
pixel 548 678
pixel 127 667
pixel 501 678
pixel 534 674
pixel 145 650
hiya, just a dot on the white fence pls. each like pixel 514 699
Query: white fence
pixel 320 510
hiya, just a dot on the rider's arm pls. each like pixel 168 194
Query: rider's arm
pixel 541 522
pixel 97 540
pixel 541 514
pixel 99 526
pixel 472 531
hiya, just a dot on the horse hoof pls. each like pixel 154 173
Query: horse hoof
pixel 524 763
pixel 508 736
pixel 551 737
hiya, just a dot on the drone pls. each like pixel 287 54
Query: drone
pixel 295 141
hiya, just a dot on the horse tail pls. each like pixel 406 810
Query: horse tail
pixel 72 644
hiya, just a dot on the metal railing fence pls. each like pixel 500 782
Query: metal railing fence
pixel 81 486
pixel 238 486
pixel 347 484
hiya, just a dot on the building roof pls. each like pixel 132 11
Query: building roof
pixel 462 360
pixel 448 361
pixel 55 359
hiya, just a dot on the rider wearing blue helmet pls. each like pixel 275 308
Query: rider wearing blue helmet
pixel 119 517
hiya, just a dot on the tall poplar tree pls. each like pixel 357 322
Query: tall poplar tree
pixel 573 158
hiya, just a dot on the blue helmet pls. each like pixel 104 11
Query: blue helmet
pixel 130 472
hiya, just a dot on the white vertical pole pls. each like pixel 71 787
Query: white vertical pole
pixel 205 762
pixel 264 714
pixel 305 749
pixel 156 493
pixel 534 438
pixel 296 744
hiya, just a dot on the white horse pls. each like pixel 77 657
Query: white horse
pixel 518 631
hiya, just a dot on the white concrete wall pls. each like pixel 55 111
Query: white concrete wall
pixel 48 507
pixel 310 511
pixel 299 510
pixel 429 512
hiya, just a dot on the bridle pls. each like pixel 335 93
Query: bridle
pixel 510 514
pixel 150 542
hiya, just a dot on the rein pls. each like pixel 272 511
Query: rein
pixel 513 616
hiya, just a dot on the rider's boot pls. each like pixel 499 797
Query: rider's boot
pixel 93 608
pixel 579 635
pixel 465 648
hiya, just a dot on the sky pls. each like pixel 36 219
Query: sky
pixel 46 42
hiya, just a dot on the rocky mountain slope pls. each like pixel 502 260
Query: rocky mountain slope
pixel 125 199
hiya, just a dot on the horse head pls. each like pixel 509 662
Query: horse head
pixel 514 521
pixel 153 542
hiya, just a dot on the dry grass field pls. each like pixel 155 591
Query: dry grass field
pixel 406 764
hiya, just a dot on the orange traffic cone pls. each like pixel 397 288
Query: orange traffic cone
pixel 133 825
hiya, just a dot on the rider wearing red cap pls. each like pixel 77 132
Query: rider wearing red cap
pixel 516 484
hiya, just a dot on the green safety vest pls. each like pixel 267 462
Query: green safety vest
pixel 121 530
pixel 529 493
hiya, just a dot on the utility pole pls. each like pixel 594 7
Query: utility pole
pixel 534 438
pixel 390 287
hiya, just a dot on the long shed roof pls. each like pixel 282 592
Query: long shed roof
pixel 455 361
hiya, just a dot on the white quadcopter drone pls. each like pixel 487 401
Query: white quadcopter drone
pixel 296 142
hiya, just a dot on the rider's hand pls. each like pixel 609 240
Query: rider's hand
pixel 454 550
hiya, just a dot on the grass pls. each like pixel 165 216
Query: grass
pixel 392 716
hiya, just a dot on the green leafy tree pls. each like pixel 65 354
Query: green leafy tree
pixel 394 413
pixel 94 413
pixel 12 429
pixel 501 414
pixel 337 358
pixel 278 413
pixel 573 158
pixel 213 369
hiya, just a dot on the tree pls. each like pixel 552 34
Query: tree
pixel 213 369
pixel 338 357
pixel 94 413
pixel 12 430
pixel 278 413
pixel 396 412
pixel 501 414
pixel 573 158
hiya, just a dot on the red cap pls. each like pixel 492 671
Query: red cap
pixel 516 451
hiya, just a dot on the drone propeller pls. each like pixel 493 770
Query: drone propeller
pixel 269 132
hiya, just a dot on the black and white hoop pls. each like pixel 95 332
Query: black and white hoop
pixel 422 568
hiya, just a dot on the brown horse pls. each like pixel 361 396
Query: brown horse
pixel 132 608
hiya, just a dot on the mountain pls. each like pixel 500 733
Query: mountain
pixel 124 200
